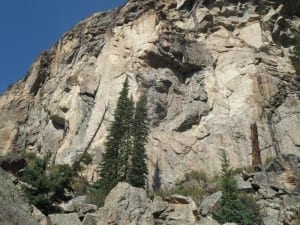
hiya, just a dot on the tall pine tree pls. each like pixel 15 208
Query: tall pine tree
pixel 117 147
pixel 140 129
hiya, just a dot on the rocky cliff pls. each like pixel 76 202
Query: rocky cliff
pixel 14 210
pixel 210 69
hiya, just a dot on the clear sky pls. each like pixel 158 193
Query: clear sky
pixel 27 27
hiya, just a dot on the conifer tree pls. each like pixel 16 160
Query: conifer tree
pixel 126 142
pixel 117 147
pixel 296 50
pixel 232 208
pixel 140 129
pixel 45 187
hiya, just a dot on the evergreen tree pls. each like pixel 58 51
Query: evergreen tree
pixel 117 147
pixel 140 129
pixel 45 187
pixel 296 50
pixel 126 142
pixel 232 208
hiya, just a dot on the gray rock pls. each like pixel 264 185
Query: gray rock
pixel 208 221
pixel 14 210
pixel 128 205
pixel 209 203
pixel 243 185
pixel 267 193
pixel 39 216
pixel 63 219
pixel 272 217
pixel 179 199
pixel 267 180
pixel 91 219
pixel 291 201
pixel 74 204
pixel 85 208
pixel 157 208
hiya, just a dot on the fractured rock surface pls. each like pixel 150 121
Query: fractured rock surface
pixel 14 210
pixel 209 68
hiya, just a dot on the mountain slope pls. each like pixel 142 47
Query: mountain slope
pixel 210 70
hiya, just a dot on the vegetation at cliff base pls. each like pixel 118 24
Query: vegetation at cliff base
pixel 45 186
pixel 233 209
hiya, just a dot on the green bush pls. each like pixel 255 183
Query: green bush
pixel 44 188
pixel 252 207
pixel 80 185
pixel 193 185
pixel 97 196
pixel 196 175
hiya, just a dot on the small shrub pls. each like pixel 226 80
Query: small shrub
pixel 97 196
pixel 80 185
pixel 192 185
pixel 196 175
pixel 196 193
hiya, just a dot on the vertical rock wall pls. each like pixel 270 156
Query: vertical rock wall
pixel 210 69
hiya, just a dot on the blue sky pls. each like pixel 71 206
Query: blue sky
pixel 27 27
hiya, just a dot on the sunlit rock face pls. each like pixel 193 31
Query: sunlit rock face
pixel 209 68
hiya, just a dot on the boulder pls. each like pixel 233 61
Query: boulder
pixel 290 201
pixel 271 217
pixel 177 214
pixel 243 185
pixel 128 205
pixel 91 219
pixel 180 199
pixel 157 208
pixel 74 203
pixel 39 216
pixel 208 221
pixel 14 210
pixel 270 179
pixel 252 35
pixel 86 208
pixel 63 219
pixel 267 193
pixel 209 203
pixel 182 210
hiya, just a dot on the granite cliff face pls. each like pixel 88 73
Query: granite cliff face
pixel 209 68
